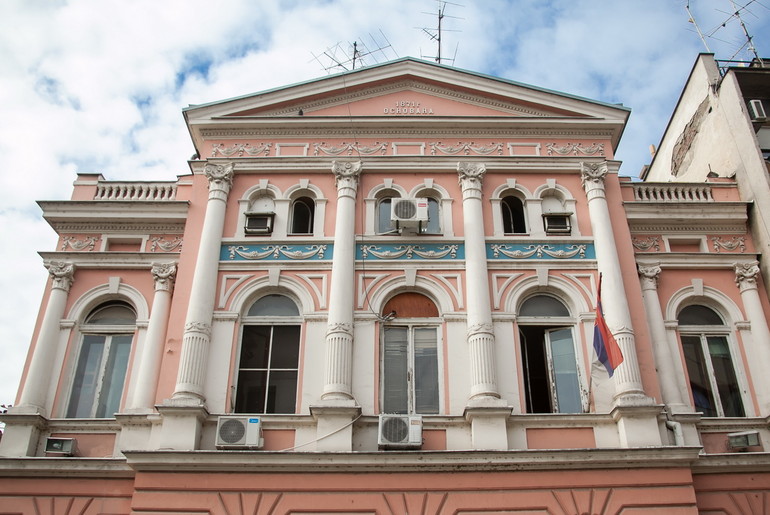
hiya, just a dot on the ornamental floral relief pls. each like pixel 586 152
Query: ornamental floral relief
pixel 350 148
pixel 160 242
pixel 72 242
pixel 239 149
pixel 466 148
pixel 646 244
pixel 538 251
pixel 736 243
pixel 575 149
pixel 277 252
pixel 409 251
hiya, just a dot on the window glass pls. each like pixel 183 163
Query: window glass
pixel 433 226
pixel 543 305
pixel 302 213
pixel 699 315
pixel 512 210
pixel 384 224
pixel 273 305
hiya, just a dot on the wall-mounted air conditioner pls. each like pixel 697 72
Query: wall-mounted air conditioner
pixel 239 432
pixel 400 431
pixel 757 111
pixel 61 446
pixel 409 212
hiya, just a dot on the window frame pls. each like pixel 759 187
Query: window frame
pixel 105 367
pixel 411 324
pixel 310 204
pixel 507 214
pixel 271 321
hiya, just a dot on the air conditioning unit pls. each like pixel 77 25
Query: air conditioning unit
pixel 400 432
pixel 239 432
pixel 757 111
pixel 409 212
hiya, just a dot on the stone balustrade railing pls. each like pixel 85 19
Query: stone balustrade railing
pixel 672 193
pixel 149 191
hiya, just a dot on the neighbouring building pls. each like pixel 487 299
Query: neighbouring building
pixel 375 293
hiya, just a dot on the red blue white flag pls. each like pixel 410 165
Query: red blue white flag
pixel 606 347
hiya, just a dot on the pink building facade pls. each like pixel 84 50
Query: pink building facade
pixel 375 293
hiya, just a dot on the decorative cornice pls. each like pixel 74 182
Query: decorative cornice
pixel 402 132
pixel 117 227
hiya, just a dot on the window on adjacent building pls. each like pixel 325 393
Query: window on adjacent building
pixel 103 361
pixel 302 215
pixel 512 210
pixel 706 346
pixel 268 363
pixel 549 362
pixel 410 357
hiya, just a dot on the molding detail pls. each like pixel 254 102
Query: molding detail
pixel 87 243
pixel 410 251
pixel 568 252
pixel 647 243
pixel 274 252
pixel 164 275
pixel 738 242
pixel 220 176
pixel 649 276
pixel 340 327
pixel 346 174
pixel 465 148
pixel 471 175
pixel 198 327
pixel 61 273
pixel 593 173
pixel 166 246
pixel 483 328
pixel 350 148
pixel 238 149
pixel 575 149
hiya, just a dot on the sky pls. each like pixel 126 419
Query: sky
pixel 99 85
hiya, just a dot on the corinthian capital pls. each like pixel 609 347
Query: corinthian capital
pixel 346 173
pixel 61 273
pixel 220 176
pixel 746 275
pixel 164 275
pixel 649 276
pixel 470 175
pixel 592 174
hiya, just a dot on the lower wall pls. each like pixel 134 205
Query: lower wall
pixel 61 496
pixel 733 493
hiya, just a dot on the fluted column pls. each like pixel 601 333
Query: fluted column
pixel 664 358
pixel 628 382
pixel 152 353
pixel 746 275
pixel 34 395
pixel 339 336
pixel 197 331
pixel 480 337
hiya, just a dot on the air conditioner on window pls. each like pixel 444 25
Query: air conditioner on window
pixel 409 212
pixel 757 111
pixel 400 432
pixel 239 432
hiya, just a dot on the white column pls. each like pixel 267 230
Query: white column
pixel 664 357
pixel 339 336
pixel 480 336
pixel 152 353
pixel 628 381
pixel 746 275
pixel 34 394
pixel 197 331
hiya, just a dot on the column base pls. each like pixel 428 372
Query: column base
pixel 489 423
pixel 182 424
pixel 638 426
pixel 334 424
pixel 136 430
pixel 21 436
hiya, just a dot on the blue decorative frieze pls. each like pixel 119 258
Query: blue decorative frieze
pixel 275 252
pixel 540 251
pixel 411 251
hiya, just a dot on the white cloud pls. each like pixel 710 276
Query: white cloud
pixel 99 85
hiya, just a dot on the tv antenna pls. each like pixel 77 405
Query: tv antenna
pixel 735 15
pixel 347 57
pixel 436 33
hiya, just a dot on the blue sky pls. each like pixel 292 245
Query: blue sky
pixel 99 85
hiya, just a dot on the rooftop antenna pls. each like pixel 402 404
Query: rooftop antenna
pixel 354 55
pixel 735 14
pixel 435 34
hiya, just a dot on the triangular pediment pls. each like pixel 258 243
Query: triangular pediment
pixel 418 86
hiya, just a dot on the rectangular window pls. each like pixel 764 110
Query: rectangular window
pixel 410 370
pixel 268 369
pixel 551 381
pixel 100 375
pixel 713 383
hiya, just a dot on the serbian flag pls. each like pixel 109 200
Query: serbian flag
pixel 606 347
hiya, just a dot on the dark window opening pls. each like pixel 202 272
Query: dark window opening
pixel 302 216
pixel 512 209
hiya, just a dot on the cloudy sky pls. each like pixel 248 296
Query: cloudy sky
pixel 99 85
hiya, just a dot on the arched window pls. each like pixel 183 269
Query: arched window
pixel 100 374
pixel 713 383
pixel 549 362
pixel 384 224
pixel 512 210
pixel 268 363
pixel 302 216
pixel 260 215
pixel 556 216
pixel 410 367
